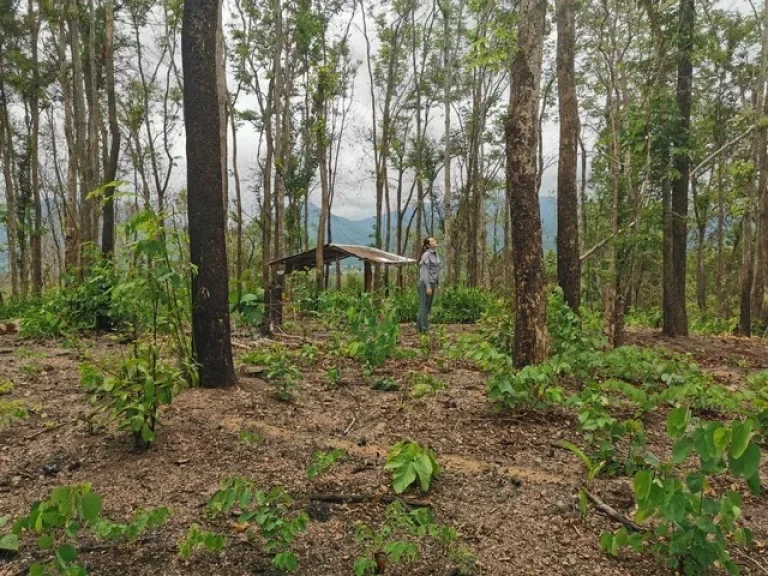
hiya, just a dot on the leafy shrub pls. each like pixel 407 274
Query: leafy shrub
pixel 11 410
pixel 197 538
pixel 57 521
pixel 334 376
pixel 249 306
pixel 385 384
pixel 400 538
pixel 619 444
pixel 694 523
pixel 80 306
pixel 281 372
pixel 269 511
pixel 134 394
pixel 373 338
pixel 410 462
pixel 423 384
pixel 322 461
pixel 452 305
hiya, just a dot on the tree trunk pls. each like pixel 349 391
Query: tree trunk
pixel 94 130
pixel 238 206
pixel 521 145
pixel 277 103
pixel 37 232
pixel 108 210
pixel 208 250
pixel 568 261
pixel 71 234
pixel 7 154
pixel 675 316
pixel 445 7
pixel 221 81
pixel 761 283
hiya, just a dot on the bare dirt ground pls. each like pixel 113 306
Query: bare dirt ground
pixel 505 488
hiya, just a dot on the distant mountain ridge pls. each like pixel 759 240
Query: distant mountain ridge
pixel 360 232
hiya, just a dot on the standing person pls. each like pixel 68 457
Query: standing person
pixel 429 277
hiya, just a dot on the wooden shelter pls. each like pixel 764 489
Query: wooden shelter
pixel 332 254
pixel 335 253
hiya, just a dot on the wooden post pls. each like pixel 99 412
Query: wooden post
pixel 338 272
pixel 368 272
pixel 277 298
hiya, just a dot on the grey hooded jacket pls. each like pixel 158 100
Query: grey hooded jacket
pixel 429 268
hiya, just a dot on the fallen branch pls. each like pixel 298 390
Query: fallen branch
pixel 362 498
pixel 613 514
pixel 348 428
pixel 51 429
pixel 755 562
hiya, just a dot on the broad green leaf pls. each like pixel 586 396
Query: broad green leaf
pixel 147 435
pixel 751 458
pixel 37 569
pixel 643 482
pixel 66 554
pixel 677 421
pixel 363 566
pixel 753 483
pixel 403 478
pixel 695 482
pixel 92 506
pixel 423 467
pixel 674 510
pixel 742 431
pixel 681 450
pixel 45 542
pixel 722 439
pixel 286 561
pixel 9 542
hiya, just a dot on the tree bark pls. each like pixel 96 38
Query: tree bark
pixel 108 210
pixel 208 252
pixel 521 148
pixel 675 315
pixel 568 262
pixel 445 8
pixel 37 232
pixel 71 234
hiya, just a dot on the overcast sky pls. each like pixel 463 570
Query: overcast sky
pixel 355 185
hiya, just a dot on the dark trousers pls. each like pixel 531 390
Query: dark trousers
pixel 425 306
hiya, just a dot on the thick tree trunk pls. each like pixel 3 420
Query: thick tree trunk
pixel 108 209
pixel 761 282
pixel 568 261
pixel 675 315
pixel 208 251
pixel 521 145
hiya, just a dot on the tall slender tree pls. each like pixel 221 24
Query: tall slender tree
pixel 522 134
pixel 568 262
pixel 675 316
pixel 208 252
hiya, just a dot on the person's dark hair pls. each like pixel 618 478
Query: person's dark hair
pixel 425 245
